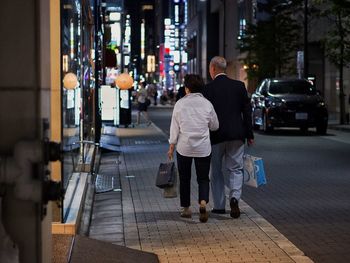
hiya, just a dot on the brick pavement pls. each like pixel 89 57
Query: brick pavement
pixel 152 223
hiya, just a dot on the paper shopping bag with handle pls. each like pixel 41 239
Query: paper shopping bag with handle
pixel 171 191
pixel 254 172
pixel 166 175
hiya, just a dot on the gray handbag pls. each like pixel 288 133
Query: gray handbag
pixel 166 175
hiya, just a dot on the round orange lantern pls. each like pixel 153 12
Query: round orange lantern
pixel 124 81
pixel 70 81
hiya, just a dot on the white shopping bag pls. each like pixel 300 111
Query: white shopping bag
pixel 254 173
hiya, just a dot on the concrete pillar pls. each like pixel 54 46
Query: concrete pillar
pixel 25 88
pixel 55 91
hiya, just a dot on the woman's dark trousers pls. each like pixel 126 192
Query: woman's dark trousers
pixel 202 165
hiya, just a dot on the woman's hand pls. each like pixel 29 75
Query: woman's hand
pixel 171 151
pixel 250 142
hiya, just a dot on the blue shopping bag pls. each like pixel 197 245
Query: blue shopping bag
pixel 254 172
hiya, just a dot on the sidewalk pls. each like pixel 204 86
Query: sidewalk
pixel 146 221
pixel 333 123
pixel 339 127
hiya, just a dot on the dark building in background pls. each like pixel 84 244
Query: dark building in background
pixel 171 32
pixel 159 41
pixel 143 38
pixel 212 30
pixel 202 36
pixel 132 8
pixel 214 27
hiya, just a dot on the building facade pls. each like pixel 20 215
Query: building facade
pixel 214 26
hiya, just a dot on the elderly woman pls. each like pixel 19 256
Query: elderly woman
pixel 193 117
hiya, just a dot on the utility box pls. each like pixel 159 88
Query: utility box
pixel 115 106
pixel 123 107
pixel 108 102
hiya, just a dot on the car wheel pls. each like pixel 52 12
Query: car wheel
pixel 321 128
pixel 254 125
pixel 266 128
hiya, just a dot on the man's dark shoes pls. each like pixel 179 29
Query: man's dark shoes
pixel 235 212
pixel 218 211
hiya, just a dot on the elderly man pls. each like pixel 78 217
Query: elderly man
pixel 232 105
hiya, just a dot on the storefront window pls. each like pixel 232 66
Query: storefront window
pixel 78 111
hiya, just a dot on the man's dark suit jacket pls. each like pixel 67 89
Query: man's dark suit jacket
pixel 232 105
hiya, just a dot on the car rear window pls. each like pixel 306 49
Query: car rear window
pixel 292 88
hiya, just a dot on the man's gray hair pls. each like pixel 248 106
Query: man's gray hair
pixel 219 63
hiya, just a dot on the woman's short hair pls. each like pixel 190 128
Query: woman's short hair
pixel 194 83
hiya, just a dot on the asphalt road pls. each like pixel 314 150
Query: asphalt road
pixel 307 197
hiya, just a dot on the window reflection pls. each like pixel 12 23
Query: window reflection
pixel 77 50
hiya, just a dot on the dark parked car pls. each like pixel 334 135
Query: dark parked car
pixel 288 103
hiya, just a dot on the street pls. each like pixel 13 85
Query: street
pixel 307 195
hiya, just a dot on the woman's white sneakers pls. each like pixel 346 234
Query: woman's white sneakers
pixel 186 212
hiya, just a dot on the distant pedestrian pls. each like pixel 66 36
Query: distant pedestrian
pixel 143 103
pixel 180 93
pixel 152 92
pixel 164 97
pixel 155 95
pixel 232 105
pixel 193 117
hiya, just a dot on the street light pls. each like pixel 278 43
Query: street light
pixel 124 81
pixel 70 81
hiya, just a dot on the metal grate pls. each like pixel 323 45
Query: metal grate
pixel 105 183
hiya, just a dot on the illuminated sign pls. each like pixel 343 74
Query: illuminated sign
pixel 151 63
pixel 71 39
pixel 147 7
pixel 126 60
pixel 176 14
pixel 65 63
pixel 116 33
pixel 143 39
pixel 176 55
pixel 114 16
pixel 167 21
pixel 127 41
